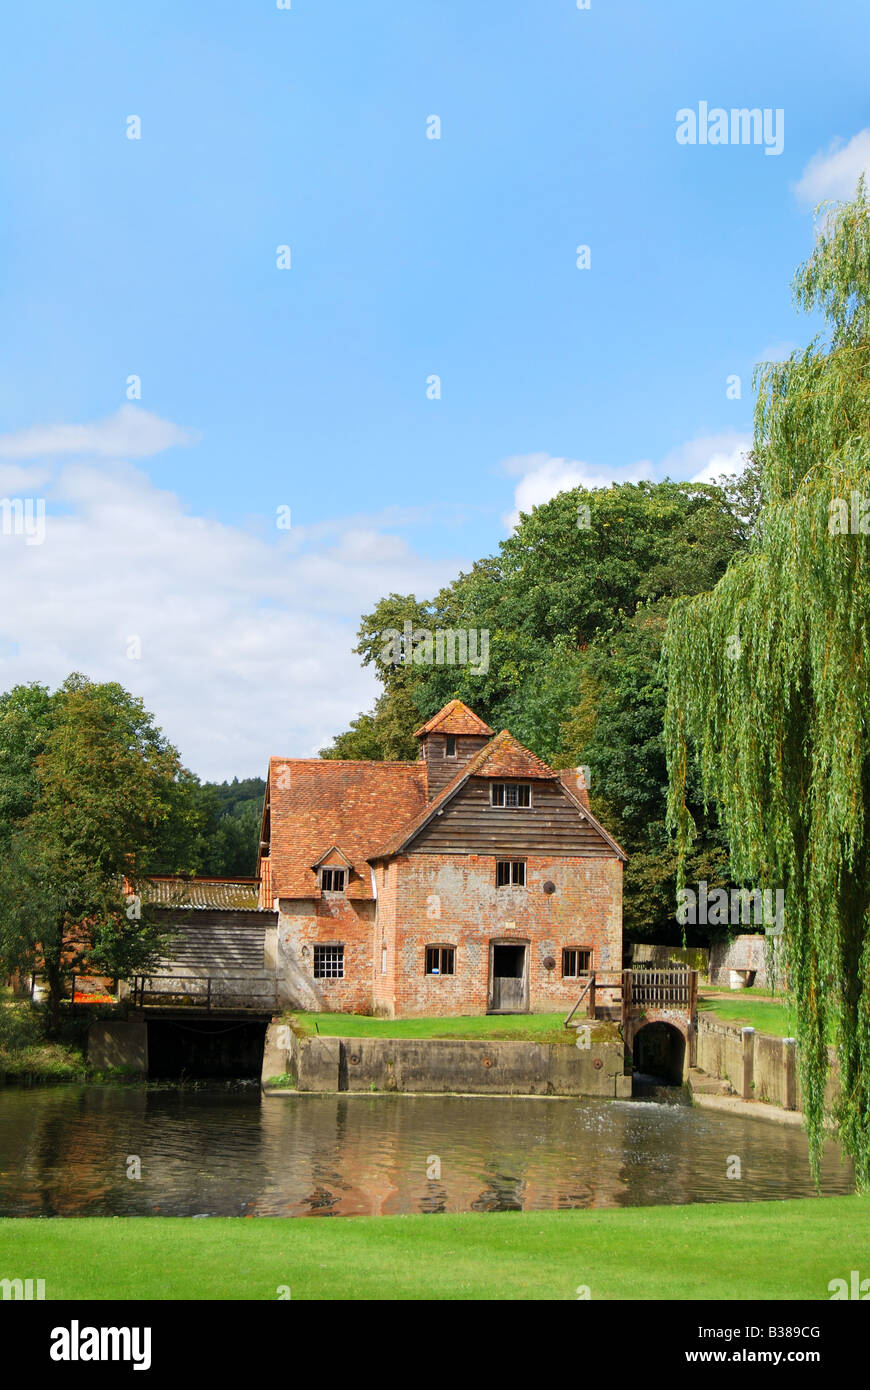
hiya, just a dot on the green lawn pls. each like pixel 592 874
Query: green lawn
pixel 752 1250
pixel 767 1016
pixel 543 1028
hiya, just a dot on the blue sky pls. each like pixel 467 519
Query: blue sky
pixel 410 257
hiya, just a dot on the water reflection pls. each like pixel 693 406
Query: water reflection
pixel 64 1151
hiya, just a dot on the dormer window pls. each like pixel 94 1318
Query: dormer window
pixel 450 746
pixel 511 795
pixel 332 880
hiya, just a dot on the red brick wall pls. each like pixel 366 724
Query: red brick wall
pixel 434 899
pixel 303 922
pixel 452 900
pixel 384 935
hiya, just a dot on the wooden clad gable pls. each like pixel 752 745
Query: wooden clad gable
pixel 441 769
pixel 553 824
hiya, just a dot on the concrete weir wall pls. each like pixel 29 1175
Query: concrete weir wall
pixel 446 1065
pixel 758 1065
pixel 119 1043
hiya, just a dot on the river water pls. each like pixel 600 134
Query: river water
pixel 67 1151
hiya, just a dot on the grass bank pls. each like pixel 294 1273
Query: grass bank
pixel 753 1250
pixel 26 1055
pixel 542 1028
pixel 765 1015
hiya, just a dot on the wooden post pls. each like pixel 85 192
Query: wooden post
pixel 590 999
pixel 693 995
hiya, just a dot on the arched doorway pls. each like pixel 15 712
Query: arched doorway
pixel 659 1051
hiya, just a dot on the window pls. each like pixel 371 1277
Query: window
pixel 440 960
pixel 576 960
pixel 511 794
pixel 510 873
pixel 383 960
pixel 329 962
pixel 450 746
pixel 332 880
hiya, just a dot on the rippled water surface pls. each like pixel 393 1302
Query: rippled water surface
pixel 64 1151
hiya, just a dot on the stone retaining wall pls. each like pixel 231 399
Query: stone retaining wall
pixel 449 1065
pixel 759 1066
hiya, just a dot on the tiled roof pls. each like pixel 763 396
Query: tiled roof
pixel 318 802
pixel 200 893
pixel 503 756
pixel 454 718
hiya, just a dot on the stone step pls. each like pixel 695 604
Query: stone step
pixel 706 1085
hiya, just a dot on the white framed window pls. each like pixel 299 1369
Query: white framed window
pixel 510 873
pixel 576 961
pixel 511 795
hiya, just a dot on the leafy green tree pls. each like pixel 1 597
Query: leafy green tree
pixel 768 678
pixel 26 714
pixel 102 784
pixel 616 731
pixel 576 567
pixel 385 735
pixel 575 604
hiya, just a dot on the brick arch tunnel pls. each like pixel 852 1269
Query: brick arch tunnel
pixel 659 1050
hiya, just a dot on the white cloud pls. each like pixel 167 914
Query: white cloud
pixel 246 639
pixel 835 172
pixel 543 476
pixel 700 460
pixel 707 458
pixel 129 433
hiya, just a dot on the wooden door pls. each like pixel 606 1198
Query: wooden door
pixel 509 978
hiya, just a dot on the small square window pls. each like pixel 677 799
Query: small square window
pixel 511 794
pixel 332 880
pixel 450 746
pixel 510 873
pixel 440 960
pixel 329 962
pixel 576 961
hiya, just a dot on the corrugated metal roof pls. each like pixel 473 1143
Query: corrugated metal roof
pixel 201 893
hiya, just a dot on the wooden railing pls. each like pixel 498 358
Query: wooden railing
pixel 642 989
pixel 204 992
pixel 597 979
pixel 661 989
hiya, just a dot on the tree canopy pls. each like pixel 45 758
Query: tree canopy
pixel 575 604
pixel 88 789
pixel 768 678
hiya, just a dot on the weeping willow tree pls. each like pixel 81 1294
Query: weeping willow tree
pixel 769 680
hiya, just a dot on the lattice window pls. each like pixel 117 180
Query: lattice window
pixel 329 962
